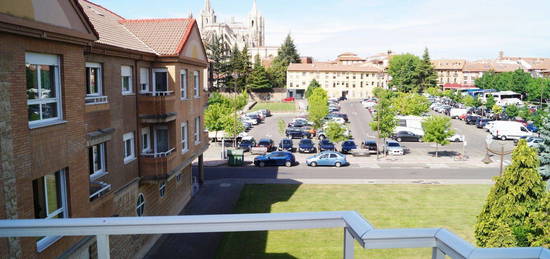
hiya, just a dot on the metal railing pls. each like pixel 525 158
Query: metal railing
pixel 158 93
pixel 158 154
pixel 90 100
pixel 355 228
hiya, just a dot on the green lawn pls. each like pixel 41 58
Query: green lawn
pixel 454 207
pixel 276 107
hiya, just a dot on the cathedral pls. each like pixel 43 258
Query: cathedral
pixel 250 33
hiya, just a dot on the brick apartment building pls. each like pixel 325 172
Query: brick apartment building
pixel 114 119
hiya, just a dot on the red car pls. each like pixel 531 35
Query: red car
pixel 289 99
pixel 463 116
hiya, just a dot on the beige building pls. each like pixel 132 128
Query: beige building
pixel 449 71
pixel 354 81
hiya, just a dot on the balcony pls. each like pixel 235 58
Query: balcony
pixel 158 165
pixel 157 107
pixel 355 229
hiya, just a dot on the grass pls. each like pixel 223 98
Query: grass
pixel 276 107
pixel 454 207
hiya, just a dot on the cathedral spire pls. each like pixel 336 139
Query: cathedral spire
pixel 254 9
pixel 207 5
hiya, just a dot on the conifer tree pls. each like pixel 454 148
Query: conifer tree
pixel 218 53
pixel 258 78
pixel 515 197
pixel 544 147
pixel 428 77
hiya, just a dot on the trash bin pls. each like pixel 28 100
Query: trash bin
pixel 235 157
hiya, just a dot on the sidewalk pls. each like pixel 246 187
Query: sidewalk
pixel 213 198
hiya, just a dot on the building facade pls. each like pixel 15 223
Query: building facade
pixel 114 120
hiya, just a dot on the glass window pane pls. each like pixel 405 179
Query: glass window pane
pixel 126 83
pixel 92 74
pixel 49 110
pixel 47 81
pixel 52 193
pixel 128 148
pixel 160 81
pixel 162 140
pixel 32 81
pixel 34 112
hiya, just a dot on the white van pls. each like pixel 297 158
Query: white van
pixel 455 112
pixel 509 130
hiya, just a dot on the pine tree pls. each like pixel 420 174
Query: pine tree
pixel 258 78
pixel 515 196
pixel 218 53
pixel 288 52
pixel 428 77
pixel 544 148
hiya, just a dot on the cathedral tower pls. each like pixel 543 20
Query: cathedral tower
pixel 208 16
pixel 256 27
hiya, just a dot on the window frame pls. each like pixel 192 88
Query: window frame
pixel 197 130
pixel 184 141
pixel 184 83
pixel 146 131
pixel 132 156
pixel 140 206
pixel 154 79
pixel 38 60
pixel 162 189
pixel 47 241
pixel 99 79
pixel 102 155
pixel 196 84
pixel 123 74
pixel 146 79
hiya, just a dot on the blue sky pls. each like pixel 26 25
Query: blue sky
pixel 470 29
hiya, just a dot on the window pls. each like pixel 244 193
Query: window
pixel 140 205
pixel 160 80
pixel 93 79
pixel 145 140
pixel 126 77
pixel 144 80
pixel 50 202
pixel 183 83
pixel 184 138
pixel 196 83
pixel 161 139
pixel 43 89
pixel 128 141
pixel 197 130
pixel 178 178
pixel 162 189
pixel 96 155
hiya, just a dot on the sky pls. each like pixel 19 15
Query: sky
pixel 466 29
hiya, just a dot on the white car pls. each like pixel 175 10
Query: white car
pixel 339 120
pixel 456 138
pixel 249 120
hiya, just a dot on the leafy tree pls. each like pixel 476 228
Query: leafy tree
pixel 385 121
pixel 496 109
pixel 524 113
pixel 544 148
pixel 434 91
pixel 428 77
pixel 277 73
pixel 336 132
pixel 218 53
pixel 215 117
pixel 537 89
pixel 238 102
pixel 490 101
pixel 411 104
pixel 258 79
pixel 469 100
pixel 312 85
pixel 514 199
pixel 217 98
pixel 405 72
pixel 317 106
pixel 281 124
pixel 512 111
pixel 437 129
pixel 380 92
pixel 538 223
pixel 233 126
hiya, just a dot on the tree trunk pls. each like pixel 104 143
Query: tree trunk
pixel 436 150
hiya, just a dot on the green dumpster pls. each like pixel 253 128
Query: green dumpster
pixel 235 157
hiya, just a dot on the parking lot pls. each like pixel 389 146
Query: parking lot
pixel 418 154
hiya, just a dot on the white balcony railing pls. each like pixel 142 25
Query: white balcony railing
pixel 90 100
pixel 158 93
pixel 158 154
pixel 442 242
pixel 98 189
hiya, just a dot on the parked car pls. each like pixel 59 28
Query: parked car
pixel 393 147
pixel 267 143
pixel 326 145
pixel 286 145
pixel 306 146
pixel 471 119
pixel 456 138
pixel 370 145
pixel 327 158
pixel 481 122
pixel 532 127
pixel 509 130
pixel 250 120
pixel 265 112
pixel 534 142
pixel 407 136
pixel 278 158
pixel 341 115
pixel 297 124
pixel 289 99
pixel 338 120
pixel 297 133
pixel 247 144
pixel 348 146
pixel 310 130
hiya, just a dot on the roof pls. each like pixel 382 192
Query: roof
pixel 449 63
pixel 165 36
pixel 476 66
pixel 327 67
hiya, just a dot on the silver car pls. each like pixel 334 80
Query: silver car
pixel 393 148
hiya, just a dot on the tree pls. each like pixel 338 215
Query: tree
pixel 233 126
pixel 544 148
pixel 317 106
pixel 258 79
pixel 286 54
pixel 336 132
pixel 312 85
pixel 490 102
pixel 411 104
pixel 218 53
pixel 496 109
pixel 277 73
pixel 538 223
pixel 514 198
pixel 469 101
pixel 405 72
pixel 384 121
pixel 512 111
pixel 434 91
pixel 437 129
pixel 215 117
pixel 428 77
pixel 281 124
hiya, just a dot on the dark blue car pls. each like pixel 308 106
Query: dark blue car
pixel 286 145
pixel 531 127
pixel 326 145
pixel 247 144
pixel 278 158
pixel 348 146
pixel 306 146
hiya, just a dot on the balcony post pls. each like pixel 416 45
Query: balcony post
pixel 348 244
pixel 437 253
pixel 103 250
